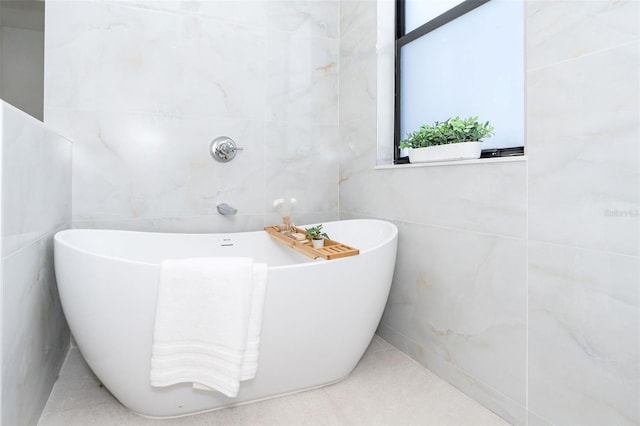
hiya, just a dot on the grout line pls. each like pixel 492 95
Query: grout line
pixel 488 234
pixel 447 228
pixel 588 249
pixel 265 115
pixel 43 237
pixel 182 13
pixel 595 52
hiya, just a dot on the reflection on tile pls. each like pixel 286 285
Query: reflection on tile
pixel 386 387
pixel 358 64
pixel 305 18
pixel 584 335
pixel 587 192
pixel 302 79
pixel 357 17
pixel 300 163
pixel 34 335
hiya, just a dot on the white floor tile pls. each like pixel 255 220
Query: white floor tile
pixel 386 388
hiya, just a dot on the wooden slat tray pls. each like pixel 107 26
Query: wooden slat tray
pixel 331 250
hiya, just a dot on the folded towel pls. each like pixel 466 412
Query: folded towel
pixel 208 322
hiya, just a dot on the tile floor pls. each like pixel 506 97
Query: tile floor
pixel 386 388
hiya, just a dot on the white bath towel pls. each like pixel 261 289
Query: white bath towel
pixel 208 322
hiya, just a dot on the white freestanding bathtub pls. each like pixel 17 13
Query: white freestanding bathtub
pixel 319 316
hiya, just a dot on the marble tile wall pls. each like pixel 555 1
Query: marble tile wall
pixel 584 211
pixel 517 282
pixel 36 203
pixel 142 87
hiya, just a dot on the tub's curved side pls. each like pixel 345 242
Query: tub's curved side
pixel 107 303
pixel 317 323
pixel 330 313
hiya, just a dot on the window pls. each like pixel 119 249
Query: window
pixel 461 58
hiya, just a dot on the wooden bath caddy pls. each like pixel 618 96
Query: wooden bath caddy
pixel 331 250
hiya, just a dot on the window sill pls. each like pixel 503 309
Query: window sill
pixel 452 163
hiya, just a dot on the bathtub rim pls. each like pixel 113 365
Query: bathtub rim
pixel 59 239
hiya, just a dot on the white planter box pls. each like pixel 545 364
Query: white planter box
pixel 448 152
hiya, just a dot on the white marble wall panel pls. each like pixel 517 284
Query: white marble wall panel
pixel 584 156
pixel 35 337
pixel 142 87
pixel 36 202
pixel 305 18
pixel 584 227
pixel 141 165
pixel 113 58
pixel 510 410
pixel 36 176
pixel 246 12
pixel 463 296
pixel 358 87
pixel 559 30
pixel 302 78
pixel 414 301
pixel 584 335
pixel 488 198
pixel 301 163
pixel 357 101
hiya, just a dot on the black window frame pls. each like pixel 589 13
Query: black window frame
pixel 403 39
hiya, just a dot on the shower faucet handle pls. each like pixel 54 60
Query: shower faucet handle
pixel 223 149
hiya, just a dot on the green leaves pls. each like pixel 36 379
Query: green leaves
pixel 453 130
pixel 315 232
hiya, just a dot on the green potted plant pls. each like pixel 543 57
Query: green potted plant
pixel 453 139
pixel 316 236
